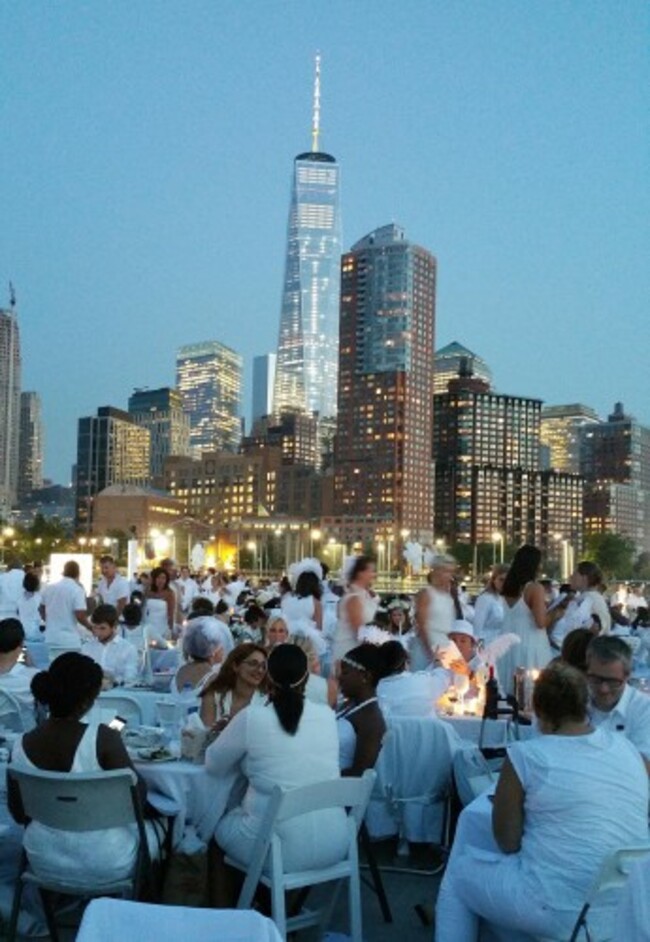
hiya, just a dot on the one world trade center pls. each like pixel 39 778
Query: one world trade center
pixel 307 359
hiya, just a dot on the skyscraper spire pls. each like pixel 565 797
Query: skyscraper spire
pixel 315 124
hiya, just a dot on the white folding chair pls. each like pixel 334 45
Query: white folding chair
pixel 266 865
pixel 90 802
pixel 11 716
pixel 612 875
pixel 109 705
pixel 414 772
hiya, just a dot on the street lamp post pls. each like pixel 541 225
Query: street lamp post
pixel 7 533
pixel 497 538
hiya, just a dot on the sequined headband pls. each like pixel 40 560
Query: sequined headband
pixel 296 683
pixel 352 663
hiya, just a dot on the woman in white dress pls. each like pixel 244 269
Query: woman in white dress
pixel 63 743
pixel 160 607
pixel 489 606
pixel 357 607
pixel 435 614
pixel 302 608
pixel 360 722
pixel 526 616
pixel 565 800
pixel 287 741
pixel 240 680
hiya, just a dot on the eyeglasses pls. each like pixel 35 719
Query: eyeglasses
pixel 595 680
pixel 255 665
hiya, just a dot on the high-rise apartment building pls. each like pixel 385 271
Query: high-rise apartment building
pixel 560 434
pixel 307 358
pixel 162 412
pixel 615 460
pixel 447 363
pixel 383 467
pixel 295 433
pixel 30 462
pixel 263 383
pixel 10 365
pixel 488 478
pixel 111 449
pixel 209 378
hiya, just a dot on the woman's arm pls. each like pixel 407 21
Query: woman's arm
pixel 170 599
pixel 112 754
pixel 318 613
pixel 422 603
pixel 536 601
pixel 208 708
pixel 229 749
pixel 370 728
pixel 508 810
pixel 354 612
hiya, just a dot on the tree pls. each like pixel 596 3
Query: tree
pixel 613 553
pixel 642 567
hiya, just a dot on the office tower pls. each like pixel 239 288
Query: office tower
pixel 209 378
pixel 263 383
pixel 560 433
pixel 296 435
pixel 30 463
pixel 382 454
pixel 306 371
pixel 111 449
pixel 10 364
pixel 486 447
pixel 447 363
pixel 615 460
pixel 161 411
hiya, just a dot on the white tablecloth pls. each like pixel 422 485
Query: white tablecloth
pixel 114 919
pixel 201 798
pixel 496 732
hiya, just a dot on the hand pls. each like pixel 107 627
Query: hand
pixel 459 666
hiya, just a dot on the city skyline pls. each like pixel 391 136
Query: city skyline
pixel 135 219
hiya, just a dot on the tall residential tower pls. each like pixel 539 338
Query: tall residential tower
pixel 307 359
pixel 382 455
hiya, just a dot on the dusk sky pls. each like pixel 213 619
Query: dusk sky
pixel 146 163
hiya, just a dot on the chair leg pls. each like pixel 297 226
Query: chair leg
pixel 375 873
pixel 278 907
pixel 354 904
pixel 49 915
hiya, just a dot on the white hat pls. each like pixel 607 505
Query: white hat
pixel 463 627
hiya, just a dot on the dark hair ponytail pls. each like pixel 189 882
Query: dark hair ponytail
pixel 73 681
pixel 288 672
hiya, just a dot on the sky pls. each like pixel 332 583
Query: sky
pixel 146 166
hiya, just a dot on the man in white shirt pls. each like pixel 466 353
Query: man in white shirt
pixel 16 678
pixel 66 616
pixel 112 588
pixel 613 703
pixel 116 657
pixel 188 589
pixel 11 588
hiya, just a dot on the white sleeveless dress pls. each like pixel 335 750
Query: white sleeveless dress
pixel 345 637
pixel 440 620
pixel 533 651
pixel 99 855
pixel 156 620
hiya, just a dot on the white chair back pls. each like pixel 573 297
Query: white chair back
pixel 10 713
pixel 109 705
pixel 414 771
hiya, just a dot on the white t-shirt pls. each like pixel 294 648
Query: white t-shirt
pixel 17 682
pixel 62 599
pixel 29 614
pixel 119 588
pixel 585 797
pixel 11 588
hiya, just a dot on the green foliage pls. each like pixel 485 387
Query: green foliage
pixel 613 553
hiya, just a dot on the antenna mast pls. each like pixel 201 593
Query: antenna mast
pixel 315 124
pixel 12 296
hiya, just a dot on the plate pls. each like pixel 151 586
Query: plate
pixel 156 755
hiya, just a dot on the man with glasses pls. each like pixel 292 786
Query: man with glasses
pixel 614 704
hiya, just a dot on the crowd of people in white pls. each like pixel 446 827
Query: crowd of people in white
pixel 296 680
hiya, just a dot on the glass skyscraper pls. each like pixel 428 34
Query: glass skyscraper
pixel 9 407
pixel 307 360
pixel 209 378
